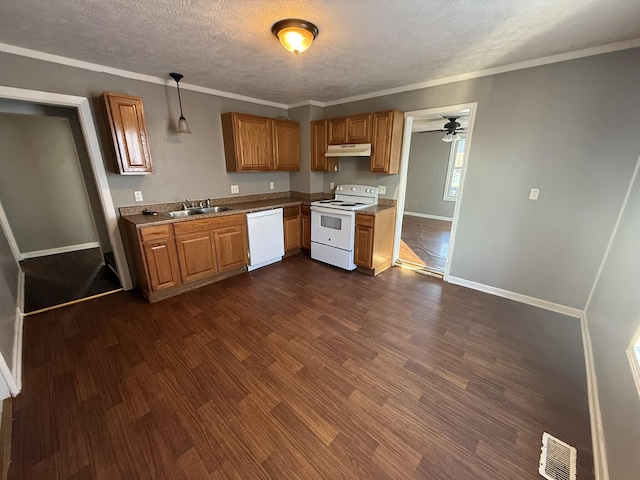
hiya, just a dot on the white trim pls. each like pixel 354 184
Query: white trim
pixel 53 251
pixel 4 224
pixel 614 233
pixel 600 465
pixel 635 367
pixel 97 163
pixel 17 349
pixel 518 297
pixel 8 377
pixel 402 187
pixel 94 67
pixel 427 215
pixel 561 57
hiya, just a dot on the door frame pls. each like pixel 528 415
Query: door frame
pixel 81 104
pixel 404 168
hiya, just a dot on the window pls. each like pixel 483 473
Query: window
pixel 634 359
pixel 456 160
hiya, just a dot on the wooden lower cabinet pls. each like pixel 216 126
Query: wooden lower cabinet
pixel 196 255
pixel 291 224
pixel 173 258
pixel 231 247
pixel 305 217
pixel 161 264
pixel 373 249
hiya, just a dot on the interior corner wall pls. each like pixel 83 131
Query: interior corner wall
pixel 613 318
pixel 305 180
pixel 191 166
pixel 427 175
pixel 546 127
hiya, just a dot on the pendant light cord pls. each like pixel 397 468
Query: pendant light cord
pixel 179 99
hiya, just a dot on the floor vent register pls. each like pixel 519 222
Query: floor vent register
pixel 558 459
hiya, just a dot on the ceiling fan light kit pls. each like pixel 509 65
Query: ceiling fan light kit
pixel 451 130
pixel 294 34
pixel 183 126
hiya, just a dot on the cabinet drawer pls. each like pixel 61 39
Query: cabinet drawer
pixel 154 233
pixel 206 224
pixel 365 220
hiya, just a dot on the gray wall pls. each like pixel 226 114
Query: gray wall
pixel 41 188
pixel 9 272
pixel 613 318
pixel 305 180
pixel 189 166
pixel 547 127
pixel 427 174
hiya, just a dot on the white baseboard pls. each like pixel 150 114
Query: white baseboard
pixel 53 251
pixel 17 339
pixel 426 215
pixel 600 466
pixel 518 297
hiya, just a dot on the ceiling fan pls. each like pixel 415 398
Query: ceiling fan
pixel 452 129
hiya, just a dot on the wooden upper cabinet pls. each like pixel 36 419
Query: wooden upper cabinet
pixel 248 142
pixel 126 121
pixel 319 143
pixel 387 141
pixel 351 129
pixel 286 145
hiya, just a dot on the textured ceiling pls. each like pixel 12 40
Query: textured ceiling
pixel 364 45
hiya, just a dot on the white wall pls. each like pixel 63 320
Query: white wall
pixel 427 174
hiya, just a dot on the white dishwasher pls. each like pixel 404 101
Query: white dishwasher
pixel 266 238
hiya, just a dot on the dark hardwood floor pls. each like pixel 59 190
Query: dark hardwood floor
pixel 300 371
pixel 428 239
pixel 66 277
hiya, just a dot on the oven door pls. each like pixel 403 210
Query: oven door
pixel 332 227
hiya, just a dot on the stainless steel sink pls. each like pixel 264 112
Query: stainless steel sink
pixel 216 209
pixel 197 211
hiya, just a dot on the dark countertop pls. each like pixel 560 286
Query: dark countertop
pixel 140 220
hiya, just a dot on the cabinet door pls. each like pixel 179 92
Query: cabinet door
pixel 126 120
pixel 231 247
pixel 248 142
pixel 306 227
pixel 318 145
pixel 387 141
pixel 359 128
pixel 363 249
pixel 291 233
pixel 337 131
pixel 196 256
pixel 286 145
pixel 161 263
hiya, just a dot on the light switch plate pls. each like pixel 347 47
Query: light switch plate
pixel 533 194
pixel 271 186
pixel 235 189
pixel 137 194
pixel 332 185
pixel 382 189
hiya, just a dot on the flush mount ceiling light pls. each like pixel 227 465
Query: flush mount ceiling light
pixel 295 35
pixel 183 126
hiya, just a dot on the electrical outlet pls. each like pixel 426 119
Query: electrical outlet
pixel 271 186
pixel 137 194
pixel 382 189
pixel 533 194
pixel 235 189
pixel 332 185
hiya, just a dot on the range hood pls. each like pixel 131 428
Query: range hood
pixel 349 150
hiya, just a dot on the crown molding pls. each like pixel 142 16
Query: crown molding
pixel 561 57
pixel 94 67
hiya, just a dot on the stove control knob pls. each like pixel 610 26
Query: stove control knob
pixel 353 189
pixel 339 188
pixel 368 190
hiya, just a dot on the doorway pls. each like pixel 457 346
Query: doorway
pixel 435 150
pixel 65 262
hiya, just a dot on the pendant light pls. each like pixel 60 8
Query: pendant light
pixel 294 34
pixel 183 126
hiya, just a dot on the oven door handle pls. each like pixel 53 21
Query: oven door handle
pixel 333 211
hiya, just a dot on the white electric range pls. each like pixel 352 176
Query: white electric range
pixel 333 224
